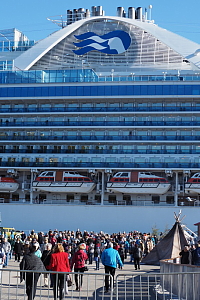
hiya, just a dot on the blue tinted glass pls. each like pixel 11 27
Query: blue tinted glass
pixel 79 90
pixel 136 90
pixel 31 91
pixel 115 90
pixel 151 90
pixel 143 90
pixel 86 90
pixel 38 91
pixel 93 91
pixel 52 91
pixel 122 90
pixel 72 91
pixel 129 89
pixel 107 90
pixel 181 90
pixel 166 89
pixel 100 90
pixel 158 90
pixel 66 90
pixel 188 90
pixel 58 90
pixel 11 92
pixel 45 91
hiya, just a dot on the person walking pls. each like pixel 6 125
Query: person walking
pixel 110 258
pixel 46 258
pixel 18 249
pixel 7 248
pixel 78 261
pixel 59 263
pixel 31 262
pixel 137 255
pixel 196 255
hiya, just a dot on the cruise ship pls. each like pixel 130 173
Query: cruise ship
pixel 103 115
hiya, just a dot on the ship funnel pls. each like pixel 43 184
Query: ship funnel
pixel 69 17
pixel 131 13
pixel 138 13
pixel 94 9
pixel 99 11
pixel 120 12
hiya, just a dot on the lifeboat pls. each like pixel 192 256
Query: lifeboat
pixel 193 184
pixel 8 185
pixel 63 182
pixel 138 183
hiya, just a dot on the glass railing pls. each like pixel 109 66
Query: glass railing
pixel 102 109
pixel 92 151
pixel 130 165
pixel 100 138
pixel 48 123
pixel 82 75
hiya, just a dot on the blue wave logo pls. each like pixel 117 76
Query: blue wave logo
pixel 114 42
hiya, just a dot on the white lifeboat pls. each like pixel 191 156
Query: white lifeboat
pixel 8 185
pixel 138 183
pixel 193 184
pixel 63 182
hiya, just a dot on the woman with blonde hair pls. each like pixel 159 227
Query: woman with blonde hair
pixel 59 263
pixel 78 261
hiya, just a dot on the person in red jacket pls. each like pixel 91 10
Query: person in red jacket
pixel 78 261
pixel 59 263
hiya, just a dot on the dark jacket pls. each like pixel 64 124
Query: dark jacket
pixel 18 247
pixel 31 262
pixel 137 252
pixel 46 258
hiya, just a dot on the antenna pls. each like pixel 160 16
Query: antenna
pixel 150 8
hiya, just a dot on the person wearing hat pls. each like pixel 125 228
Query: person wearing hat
pixel 78 261
pixel 38 253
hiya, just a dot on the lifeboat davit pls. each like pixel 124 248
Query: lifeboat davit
pixel 8 185
pixel 63 182
pixel 138 183
pixel 193 184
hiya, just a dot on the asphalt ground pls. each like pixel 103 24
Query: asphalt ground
pixel 129 284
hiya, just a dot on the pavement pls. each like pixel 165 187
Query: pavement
pixel 129 284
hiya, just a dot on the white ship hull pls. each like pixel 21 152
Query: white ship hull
pixel 8 187
pixel 64 187
pixel 138 188
pixel 192 188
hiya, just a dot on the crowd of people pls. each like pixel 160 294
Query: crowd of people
pixel 66 251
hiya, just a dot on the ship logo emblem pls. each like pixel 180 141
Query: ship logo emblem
pixel 114 42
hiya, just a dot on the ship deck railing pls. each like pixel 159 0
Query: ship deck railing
pixel 133 203
pixel 100 110
pixel 85 75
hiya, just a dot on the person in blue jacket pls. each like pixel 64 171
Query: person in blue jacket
pixel 110 258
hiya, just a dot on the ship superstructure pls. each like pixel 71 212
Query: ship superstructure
pixel 100 96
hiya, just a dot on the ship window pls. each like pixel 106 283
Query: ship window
pixel 163 180
pixel 121 179
pixel 126 179
pixel 80 179
pixel 194 180
pixel 144 179
pixel 150 179
pixel 86 179
pixel 50 174
pixel 155 199
pixel 116 179
pixel 124 174
pixel 156 180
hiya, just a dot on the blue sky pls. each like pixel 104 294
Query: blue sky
pixel 179 16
